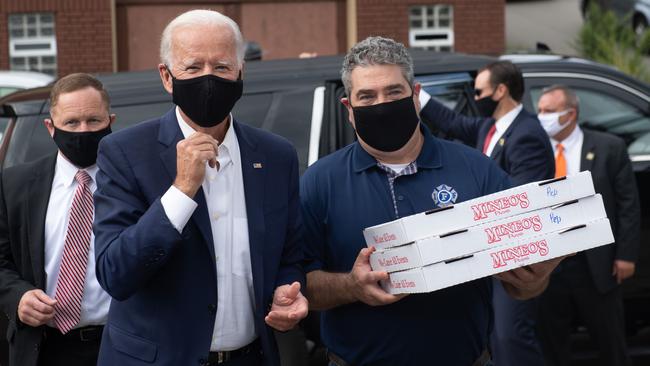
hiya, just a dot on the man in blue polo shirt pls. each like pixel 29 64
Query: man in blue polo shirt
pixel 395 169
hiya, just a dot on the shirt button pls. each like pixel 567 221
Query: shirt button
pixel 400 198
pixel 215 216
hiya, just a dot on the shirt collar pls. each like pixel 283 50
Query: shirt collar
pixel 506 120
pixel 429 157
pixel 571 141
pixel 66 171
pixel 227 147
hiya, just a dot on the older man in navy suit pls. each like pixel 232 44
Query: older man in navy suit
pixel 197 220
pixel 513 138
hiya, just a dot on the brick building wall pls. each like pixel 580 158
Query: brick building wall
pixel 283 28
pixel 479 26
pixel 83 32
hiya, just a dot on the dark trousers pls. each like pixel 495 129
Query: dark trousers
pixel 68 350
pixel 572 294
pixel 514 340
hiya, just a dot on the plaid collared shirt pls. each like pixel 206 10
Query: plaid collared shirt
pixel 410 169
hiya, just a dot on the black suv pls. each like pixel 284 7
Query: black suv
pixel 299 99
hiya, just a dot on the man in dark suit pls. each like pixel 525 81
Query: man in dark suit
pixel 48 288
pixel 198 223
pixel 514 139
pixel 587 284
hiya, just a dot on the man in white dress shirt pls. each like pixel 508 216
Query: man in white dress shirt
pixel 48 287
pixel 198 224
pixel 587 285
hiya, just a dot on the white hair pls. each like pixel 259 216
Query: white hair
pixel 200 17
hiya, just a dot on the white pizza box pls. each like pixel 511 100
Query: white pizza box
pixel 488 235
pixel 513 201
pixel 500 259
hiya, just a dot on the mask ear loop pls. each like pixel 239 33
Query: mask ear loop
pixel 170 72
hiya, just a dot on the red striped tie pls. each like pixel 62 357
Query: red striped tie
pixel 70 284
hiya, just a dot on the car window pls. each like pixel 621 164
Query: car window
pixel 453 90
pixel 605 112
pixel 4 122
pixel 4 90
pixel 448 89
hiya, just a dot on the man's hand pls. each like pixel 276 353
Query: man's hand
pixel 191 155
pixel 36 308
pixel 364 282
pixel 288 308
pixel 527 282
pixel 623 270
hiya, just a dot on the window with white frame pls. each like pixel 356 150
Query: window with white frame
pixel 431 27
pixel 32 42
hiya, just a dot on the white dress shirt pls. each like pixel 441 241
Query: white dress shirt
pixel 572 150
pixel 501 125
pixel 224 193
pixel 95 301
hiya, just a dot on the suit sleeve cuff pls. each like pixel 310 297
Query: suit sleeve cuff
pixel 424 98
pixel 178 207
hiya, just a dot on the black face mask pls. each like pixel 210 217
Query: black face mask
pixel 386 126
pixel 486 106
pixel 206 99
pixel 79 147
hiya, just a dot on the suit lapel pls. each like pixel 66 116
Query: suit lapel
pixel 254 170
pixel 498 148
pixel 588 153
pixel 38 197
pixel 169 135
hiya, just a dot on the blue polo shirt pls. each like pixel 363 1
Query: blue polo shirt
pixel 345 192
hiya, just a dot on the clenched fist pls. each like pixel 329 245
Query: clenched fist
pixel 191 155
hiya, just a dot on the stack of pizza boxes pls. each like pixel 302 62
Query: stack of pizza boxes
pixel 490 234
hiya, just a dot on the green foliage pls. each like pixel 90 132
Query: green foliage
pixel 606 39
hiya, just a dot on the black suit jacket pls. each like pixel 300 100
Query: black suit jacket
pixel 524 150
pixel 606 157
pixel 24 196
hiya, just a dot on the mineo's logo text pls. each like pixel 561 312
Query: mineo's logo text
pixel 500 206
pixel 519 253
pixel 513 229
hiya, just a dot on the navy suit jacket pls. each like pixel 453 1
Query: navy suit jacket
pixel 164 283
pixel 524 150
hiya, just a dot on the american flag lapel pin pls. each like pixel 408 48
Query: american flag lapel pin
pixel 257 165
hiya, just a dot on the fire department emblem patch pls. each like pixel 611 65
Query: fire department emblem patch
pixel 444 195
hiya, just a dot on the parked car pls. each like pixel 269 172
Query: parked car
pixel 299 99
pixel 11 81
pixel 637 12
